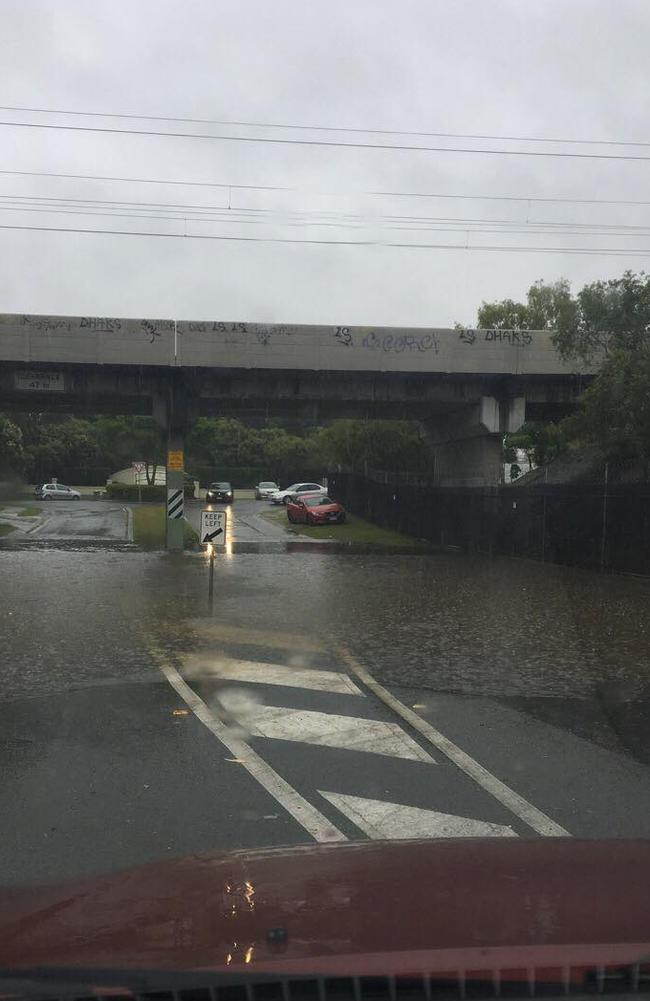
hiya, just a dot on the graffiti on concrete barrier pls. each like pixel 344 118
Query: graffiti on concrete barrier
pixel 516 338
pixel 398 343
pixel 150 330
pixel 344 336
pixel 46 324
pixel 219 327
pixel 513 337
pixel 100 324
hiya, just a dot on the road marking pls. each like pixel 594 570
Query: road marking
pixel 313 821
pixel 270 674
pixel 379 819
pixel 329 730
pixel 521 808
pixel 255 637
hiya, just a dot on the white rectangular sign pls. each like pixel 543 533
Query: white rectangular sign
pixel 39 381
pixel 213 527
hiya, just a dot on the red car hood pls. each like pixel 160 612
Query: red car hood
pixel 326 509
pixel 392 907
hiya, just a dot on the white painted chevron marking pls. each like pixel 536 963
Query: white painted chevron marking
pixel 392 820
pixel 254 637
pixel 329 730
pixel 269 674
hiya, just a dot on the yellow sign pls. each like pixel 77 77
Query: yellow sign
pixel 175 461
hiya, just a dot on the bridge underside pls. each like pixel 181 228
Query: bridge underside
pixel 82 389
pixel 463 417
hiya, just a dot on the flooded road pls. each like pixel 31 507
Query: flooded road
pixel 83 519
pixel 539 672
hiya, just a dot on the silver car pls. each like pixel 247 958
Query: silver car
pixel 264 489
pixel 282 496
pixel 56 491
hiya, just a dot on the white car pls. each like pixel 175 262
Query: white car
pixel 282 496
pixel 56 491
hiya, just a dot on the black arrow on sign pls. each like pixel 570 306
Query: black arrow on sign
pixel 212 535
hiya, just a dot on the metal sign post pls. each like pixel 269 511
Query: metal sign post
pixel 137 470
pixel 212 534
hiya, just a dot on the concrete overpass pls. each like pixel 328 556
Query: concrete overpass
pixel 467 387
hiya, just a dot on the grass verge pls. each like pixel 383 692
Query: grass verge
pixel 353 530
pixel 7 529
pixel 29 512
pixel 149 527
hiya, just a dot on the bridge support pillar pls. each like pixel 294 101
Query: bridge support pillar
pixel 467 444
pixel 175 409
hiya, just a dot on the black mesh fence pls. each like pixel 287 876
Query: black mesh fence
pixel 598 525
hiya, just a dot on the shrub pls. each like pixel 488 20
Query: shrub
pixel 129 492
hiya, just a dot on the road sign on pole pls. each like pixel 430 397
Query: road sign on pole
pixel 138 469
pixel 213 528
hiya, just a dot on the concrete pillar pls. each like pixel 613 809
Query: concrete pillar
pixel 175 409
pixel 467 444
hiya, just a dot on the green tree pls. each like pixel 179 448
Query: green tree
pixel 223 441
pixel 284 454
pixel 608 316
pixel 503 315
pixel 551 305
pixel 547 306
pixel 394 445
pixel 57 446
pixel 12 457
pixel 123 440
pixel 541 442
pixel 615 410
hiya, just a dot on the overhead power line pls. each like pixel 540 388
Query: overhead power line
pixel 533 199
pixel 265 216
pixel 323 128
pixel 529 229
pixel 586 251
pixel 326 143
pixel 145 180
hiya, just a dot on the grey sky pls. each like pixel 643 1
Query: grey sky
pixel 550 68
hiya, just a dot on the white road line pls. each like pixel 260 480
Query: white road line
pixel 379 819
pixel 317 825
pixel 329 730
pixel 521 808
pixel 269 674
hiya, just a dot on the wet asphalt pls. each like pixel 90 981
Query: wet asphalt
pixel 539 672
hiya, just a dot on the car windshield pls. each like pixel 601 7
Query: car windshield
pixel 394 717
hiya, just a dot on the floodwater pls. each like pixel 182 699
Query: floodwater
pixel 507 629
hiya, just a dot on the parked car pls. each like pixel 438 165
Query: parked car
pixel 282 496
pixel 220 492
pixel 314 509
pixel 264 489
pixel 56 491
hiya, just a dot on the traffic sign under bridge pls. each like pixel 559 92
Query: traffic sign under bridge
pixel 213 527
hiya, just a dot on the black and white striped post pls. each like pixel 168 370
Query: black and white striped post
pixel 175 495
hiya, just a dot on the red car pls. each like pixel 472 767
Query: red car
pixel 314 509
pixel 497 917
